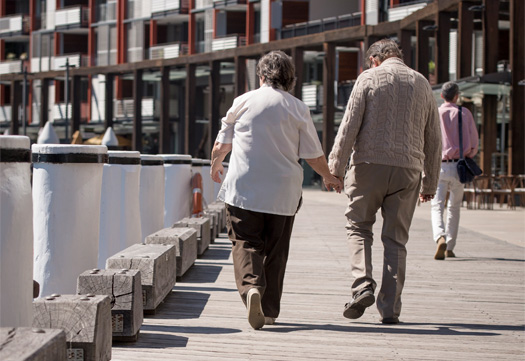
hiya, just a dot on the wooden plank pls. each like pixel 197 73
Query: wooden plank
pixel 202 226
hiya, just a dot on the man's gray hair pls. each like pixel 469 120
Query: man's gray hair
pixel 382 50
pixel 277 70
pixel 449 90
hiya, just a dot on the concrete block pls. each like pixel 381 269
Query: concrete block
pixel 184 239
pixel 157 264
pixel 85 320
pixel 32 344
pixel 202 226
pixel 124 289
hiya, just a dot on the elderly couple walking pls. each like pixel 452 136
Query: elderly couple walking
pixel 390 133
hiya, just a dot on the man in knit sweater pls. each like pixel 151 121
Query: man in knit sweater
pixel 391 132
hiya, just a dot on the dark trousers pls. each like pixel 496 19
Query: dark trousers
pixel 260 245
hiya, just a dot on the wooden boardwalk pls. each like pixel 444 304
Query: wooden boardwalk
pixel 468 308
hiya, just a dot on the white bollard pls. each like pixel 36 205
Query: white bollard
pixel 16 233
pixel 207 183
pixel 151 194
pixel 67 183
pixel 178 192
pixel 119 205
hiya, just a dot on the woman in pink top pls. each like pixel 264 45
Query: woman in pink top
pixel 445 235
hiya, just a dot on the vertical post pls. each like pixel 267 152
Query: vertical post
pixel 215 98
pixel 137 110
pixel 66 89
pixel 250 23
pixel 328 96
pixel 191 28
pixel 465 30
pixel 75 104
pixel 24 99
pixel 108 104
pixel 442 47
pixel 298 60
pixel 490 102
pixel 189 113
pixel 15 104
pixel 517 105
pixel 44 102
pixel 422 44
pixel 240 75
pixel 164 126
pixel 405 40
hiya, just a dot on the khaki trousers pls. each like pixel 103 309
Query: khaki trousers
pixel 395 191
pixel 260 245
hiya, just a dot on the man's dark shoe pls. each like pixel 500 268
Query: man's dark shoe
pixel 355 308
pixel 390 320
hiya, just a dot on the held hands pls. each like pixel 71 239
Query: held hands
pixel 425 197
pixel 333 183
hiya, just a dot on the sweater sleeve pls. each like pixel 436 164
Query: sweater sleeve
pixel 431 148
pixel 349 128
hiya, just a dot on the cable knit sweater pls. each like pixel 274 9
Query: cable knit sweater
pixel 391 119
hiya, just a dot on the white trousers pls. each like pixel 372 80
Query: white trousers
pixel 448 182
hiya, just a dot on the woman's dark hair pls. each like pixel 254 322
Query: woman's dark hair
pixel 382 50
pixel 277 70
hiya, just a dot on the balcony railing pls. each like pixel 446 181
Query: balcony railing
pixel 228 42
pixel 158 6
pixel 123 108
pixel 219 3
pixel 15 24
pixel 75 16
pixel 401 11
pixel 107 12
pixel 312 95
pixel 318 26
pixel 8 67
pixel 75 60
pixel 167 51
pixel 59 111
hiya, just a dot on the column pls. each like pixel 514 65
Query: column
pixel 214 106
pixel 298 60
pixel 190 145
pixel 422 48
pixel 442 47
pixel 137 110
pixel 108 104
pixel 465 31
pixel 164 126
pixel 240 75
pixel 16 100
pixel 75 103
pixel 328 96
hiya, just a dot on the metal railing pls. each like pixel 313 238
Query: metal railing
pixel 321 25
pixel 123 108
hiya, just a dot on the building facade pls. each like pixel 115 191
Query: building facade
pixel 162 72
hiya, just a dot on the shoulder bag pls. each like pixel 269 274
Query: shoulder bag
pixel 467 168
